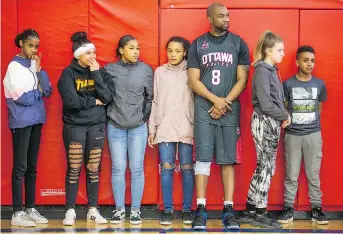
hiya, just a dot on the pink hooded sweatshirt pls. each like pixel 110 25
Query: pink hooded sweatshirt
pixel 172 113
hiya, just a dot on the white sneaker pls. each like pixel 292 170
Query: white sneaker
pixel 135 216
pixel 118 216
pixel 35 216
pixel 70 217
pixel 22 220
pixel 94 216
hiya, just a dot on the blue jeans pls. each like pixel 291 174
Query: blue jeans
pixel 167 155
pixel 131 142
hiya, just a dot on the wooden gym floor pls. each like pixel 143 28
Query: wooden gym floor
pixel 153 226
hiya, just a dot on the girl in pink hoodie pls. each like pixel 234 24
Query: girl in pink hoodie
pixel 171 126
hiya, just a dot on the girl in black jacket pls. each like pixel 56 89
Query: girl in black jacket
pixel 85 90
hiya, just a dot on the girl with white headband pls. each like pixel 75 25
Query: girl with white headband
pixel 85 90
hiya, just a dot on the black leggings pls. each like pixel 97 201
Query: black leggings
pixel 25 154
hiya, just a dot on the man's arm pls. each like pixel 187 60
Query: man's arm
pixel 242 80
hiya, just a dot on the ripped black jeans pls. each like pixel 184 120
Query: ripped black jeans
pixel 83 143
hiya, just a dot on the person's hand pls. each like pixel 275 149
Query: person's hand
pixel 222 105
pixel 151 139
pixel 287 122
pixel 98 102
pixel 94 65
pixel 215 113
pixel 37 58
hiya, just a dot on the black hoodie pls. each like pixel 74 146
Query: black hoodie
pixel 79 87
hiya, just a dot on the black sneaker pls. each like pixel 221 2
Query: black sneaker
pixel 167 218
pixel 286 215
pixel 200 218
pixel 265 220
pixel 187 217
pixel 247 217
pixel 118 216
pixel 318 216
pixel 228 218
pixel 135 216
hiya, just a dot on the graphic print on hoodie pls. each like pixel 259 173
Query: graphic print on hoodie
pixel 79 89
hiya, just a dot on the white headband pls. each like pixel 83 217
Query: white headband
pixel 83 49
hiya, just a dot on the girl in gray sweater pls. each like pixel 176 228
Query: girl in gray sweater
pixel 269 112
pixel 127 129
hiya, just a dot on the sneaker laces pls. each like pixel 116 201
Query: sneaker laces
pixel 117 213
pixel 200 216
pixel 168 215
pixel 319 211
pixel 187 214
pixel 24 216
pixel 36 215
pixel 285 211
pixel 135 213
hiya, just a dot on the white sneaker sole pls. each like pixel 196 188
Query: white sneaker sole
pixel 232 227
pixel 187 222
pixel 97 222
pixel 93 221
pixel 166 223
pixel 320 222
pixel 199 227
pixel 68 224
pixel 41 222
pixel 286 221
pixel 135 222
pixel 117 221
pixel 21 225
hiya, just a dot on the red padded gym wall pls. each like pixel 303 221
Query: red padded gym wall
pixel 285 23
pixel 315 22
pixel 262 4
pixel 323 29
pixel 54 21
pixel 108 21
pixel 8 50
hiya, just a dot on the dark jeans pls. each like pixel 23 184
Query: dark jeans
pixel 83 143
pixel 25 143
